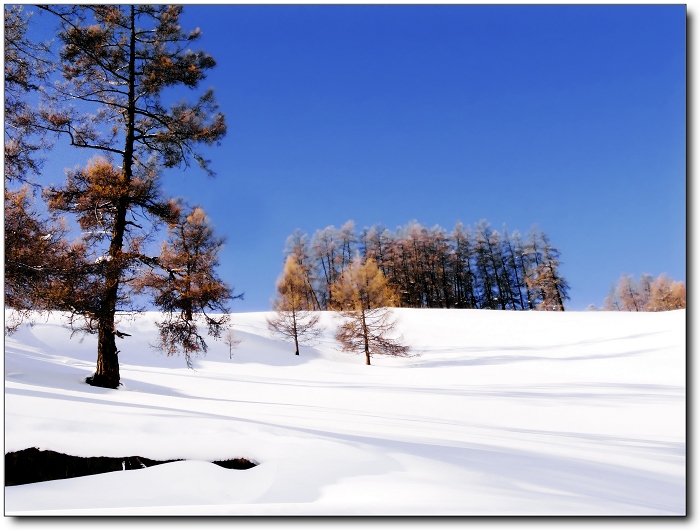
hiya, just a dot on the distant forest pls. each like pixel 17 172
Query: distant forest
pixel 479 268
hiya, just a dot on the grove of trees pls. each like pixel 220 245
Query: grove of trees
pixel 646 294
pixel 107 98
pixel 478 268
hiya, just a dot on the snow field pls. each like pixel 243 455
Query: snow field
pixel 502 413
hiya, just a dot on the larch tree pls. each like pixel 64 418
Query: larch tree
pixel 485 261
pixel 513 266
pixel 293 318
pixel 324 252
pixel 116 62
pixel 297 246
pixel 611 302
pixel 43 272
pixel 363 297
pixel 27 67
pixel 545 279
pixel 185 286
pixel 39 260
pixel 629 294
pixel 666 294
pixel 648 294
pixel 462 272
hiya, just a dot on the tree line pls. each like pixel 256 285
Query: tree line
pixel 104 92
pixel 479 268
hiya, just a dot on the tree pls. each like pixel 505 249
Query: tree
pixel 43 272
pixel 629 294
pixel 463 275
pixel 116 61
pixel 293 319
pixel 363 296
pixel 485 241
pixel 324 251
pixel 513 257
pixel 26 68
pixel 185 286
pixel 297 247
pixel 545 279
pixel 37 254
pixel 611 302
pixel 666 294
pixel 232 341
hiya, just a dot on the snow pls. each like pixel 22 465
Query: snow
pixel 502 413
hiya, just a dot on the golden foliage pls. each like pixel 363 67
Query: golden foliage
pixel 293 320
pixel 647 294
pixel 362 295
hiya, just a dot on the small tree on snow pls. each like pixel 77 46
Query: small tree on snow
pixel 186 288
pixel 362 295
pixel 231 341
pixel 293 320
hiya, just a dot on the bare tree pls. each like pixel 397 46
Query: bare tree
pixel 364 296
pixel 232 341
pixel 293 319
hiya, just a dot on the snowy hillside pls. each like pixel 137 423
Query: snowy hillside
pixel 503 413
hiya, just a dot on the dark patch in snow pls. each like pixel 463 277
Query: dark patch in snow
pixel 235 463
pixel 34 465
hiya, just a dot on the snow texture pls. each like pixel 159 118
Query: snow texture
pixel 503 413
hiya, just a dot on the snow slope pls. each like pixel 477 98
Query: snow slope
pixel 502 413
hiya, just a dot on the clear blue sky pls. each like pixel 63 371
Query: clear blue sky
pixel 569 117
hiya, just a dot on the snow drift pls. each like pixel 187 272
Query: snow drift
pixel 502 413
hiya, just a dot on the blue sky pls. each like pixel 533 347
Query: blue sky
pixel 569 117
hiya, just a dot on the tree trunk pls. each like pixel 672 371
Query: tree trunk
pixel 296 333
pixel 366 338
pixel 107 372
pixel 556 287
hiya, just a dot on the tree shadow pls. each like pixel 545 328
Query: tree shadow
pixel 509 359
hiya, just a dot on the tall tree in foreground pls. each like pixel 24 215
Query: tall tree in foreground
pixel 363 297
pixel 116 62
pixel 186 287
pixel 293 319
